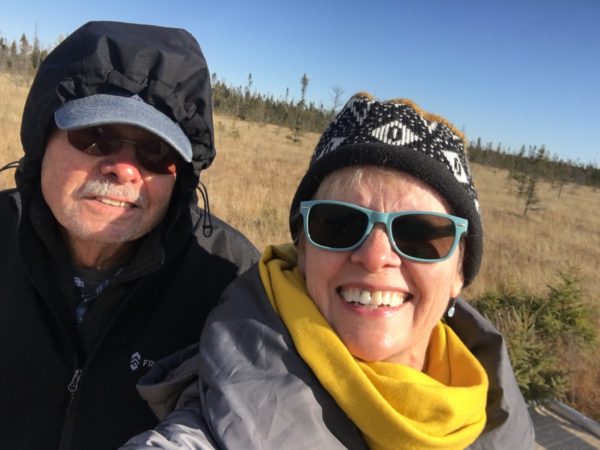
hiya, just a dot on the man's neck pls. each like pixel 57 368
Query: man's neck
pixel 98 255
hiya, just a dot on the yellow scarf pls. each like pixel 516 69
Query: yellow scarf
pixel 393 405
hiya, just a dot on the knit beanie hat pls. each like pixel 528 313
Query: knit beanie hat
pixel 397 134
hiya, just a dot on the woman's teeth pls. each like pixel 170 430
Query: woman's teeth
pixel 375 298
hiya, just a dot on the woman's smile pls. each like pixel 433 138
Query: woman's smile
pixel 381 305
pixel 373 299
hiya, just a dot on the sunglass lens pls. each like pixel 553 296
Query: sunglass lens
pixel 93 141
pixel 423 236
pixel 85 140
pixel 157 156
pixel 153 154
pixel 336 226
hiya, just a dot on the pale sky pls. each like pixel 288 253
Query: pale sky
pixel 517 72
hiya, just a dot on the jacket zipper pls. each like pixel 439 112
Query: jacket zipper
pixel 72 387
pixel 74 383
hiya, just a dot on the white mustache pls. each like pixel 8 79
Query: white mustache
pixel 103 188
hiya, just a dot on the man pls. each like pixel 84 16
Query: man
pixel 107 262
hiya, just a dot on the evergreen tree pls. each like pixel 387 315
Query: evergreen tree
pixel 300 109
pixel 36 54
pixel 23 46
pixel 535 169
pixel 11 56
pixel 304 84
pixel 539 328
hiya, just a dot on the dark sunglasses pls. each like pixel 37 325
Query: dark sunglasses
pixel 416 235
pixel 152 153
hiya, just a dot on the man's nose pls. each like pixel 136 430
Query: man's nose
pixel 122 166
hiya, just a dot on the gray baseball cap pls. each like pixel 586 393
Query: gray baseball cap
pixel 104 109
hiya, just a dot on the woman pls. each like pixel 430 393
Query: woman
pixel 340 341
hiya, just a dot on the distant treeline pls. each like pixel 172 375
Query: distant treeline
pixel 247 105
pixel 23 57
pixel 537 162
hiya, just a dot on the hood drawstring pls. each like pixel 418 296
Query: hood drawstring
pixel 10 165
pixel 207 227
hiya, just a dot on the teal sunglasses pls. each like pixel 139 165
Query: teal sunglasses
pixel 422 236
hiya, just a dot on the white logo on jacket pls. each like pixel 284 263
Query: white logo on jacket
pixel 136 361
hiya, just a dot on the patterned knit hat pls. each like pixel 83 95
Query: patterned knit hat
pixel 398 134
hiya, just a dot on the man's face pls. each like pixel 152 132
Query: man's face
pixel 102 201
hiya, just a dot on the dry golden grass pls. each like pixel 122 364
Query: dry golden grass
pixel 13 90
pixel 254 176
pixel 528 251
pixel 257 169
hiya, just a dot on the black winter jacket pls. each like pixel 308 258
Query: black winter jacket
pixel 68 389
pixel 74 389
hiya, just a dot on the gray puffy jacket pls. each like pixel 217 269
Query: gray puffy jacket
pixel 245 386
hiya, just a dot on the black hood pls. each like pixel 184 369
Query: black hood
pixel 164 66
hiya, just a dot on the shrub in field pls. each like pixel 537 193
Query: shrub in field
pixel 541 330
pixel 534 361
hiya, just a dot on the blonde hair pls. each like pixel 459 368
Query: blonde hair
pixel 339 181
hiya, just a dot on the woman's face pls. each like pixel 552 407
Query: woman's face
pixel 417 293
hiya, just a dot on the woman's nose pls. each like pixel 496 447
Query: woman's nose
pixel 376 252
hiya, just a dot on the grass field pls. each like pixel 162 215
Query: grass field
pixel 258 167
